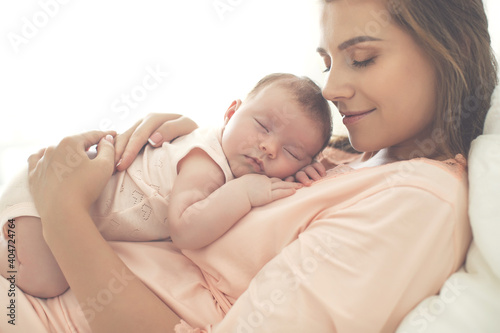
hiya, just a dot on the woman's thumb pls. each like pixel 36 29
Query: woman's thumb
pixel 106 149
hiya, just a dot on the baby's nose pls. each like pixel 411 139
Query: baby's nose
pixel 269 147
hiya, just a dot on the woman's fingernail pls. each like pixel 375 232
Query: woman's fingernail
pixel 119 162
pixel 155 139
pixel 109 138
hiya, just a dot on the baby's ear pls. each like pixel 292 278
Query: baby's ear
pixel 235 105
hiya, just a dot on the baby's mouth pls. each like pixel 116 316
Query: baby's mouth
pixel 256 164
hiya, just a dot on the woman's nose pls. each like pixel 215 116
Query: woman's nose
pixel 338 85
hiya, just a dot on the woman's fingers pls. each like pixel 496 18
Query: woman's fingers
pixel 87 139
pixel 34 158
pixel 121 143
pixel 34 172
pixel 156 129
pixel 131 142
pixel 106 153
pixel 66 173
pixel 172 129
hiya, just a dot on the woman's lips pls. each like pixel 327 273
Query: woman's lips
pixel 353 117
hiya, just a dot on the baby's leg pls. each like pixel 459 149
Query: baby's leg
pixel 36 270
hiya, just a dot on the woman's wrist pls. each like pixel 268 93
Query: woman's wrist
pixel 57 223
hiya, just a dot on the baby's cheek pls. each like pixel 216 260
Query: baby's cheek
pixel 291 170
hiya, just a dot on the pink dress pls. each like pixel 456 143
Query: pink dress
pixel 354 252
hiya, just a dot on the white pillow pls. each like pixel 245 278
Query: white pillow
pixel 469 301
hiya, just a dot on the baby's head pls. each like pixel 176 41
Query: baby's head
pixel 278 129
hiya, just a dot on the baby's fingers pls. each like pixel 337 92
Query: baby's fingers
pixel 277 183
pixel 281 189
pixel 280 193
pixel 314 171
pixel 311 173
pixel 303 178
pixel 318 169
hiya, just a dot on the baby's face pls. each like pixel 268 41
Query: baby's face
pixel 270 134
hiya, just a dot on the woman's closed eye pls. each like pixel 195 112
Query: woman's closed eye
pixel 363 63
pixel 327 64
pixel 326 59
pixel 353 62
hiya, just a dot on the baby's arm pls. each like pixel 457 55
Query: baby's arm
pixel 202 208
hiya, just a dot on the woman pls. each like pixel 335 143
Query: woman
pixel 352 253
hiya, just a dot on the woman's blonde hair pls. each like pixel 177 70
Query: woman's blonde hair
pixel 454 33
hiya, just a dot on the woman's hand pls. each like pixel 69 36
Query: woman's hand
pixel 64 182
pixel 156 129
pixel 64 177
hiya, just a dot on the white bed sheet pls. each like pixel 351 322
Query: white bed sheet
pixel 470 299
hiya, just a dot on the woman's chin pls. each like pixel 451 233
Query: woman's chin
pixel 363 146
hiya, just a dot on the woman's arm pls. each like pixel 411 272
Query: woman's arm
pixel 64 183
pixel 156 129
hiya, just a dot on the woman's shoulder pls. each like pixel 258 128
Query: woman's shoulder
pixel 453 167
pixel 449 170
pixel 332 157
pixel 445 179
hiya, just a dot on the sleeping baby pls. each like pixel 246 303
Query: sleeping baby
pixel 192 190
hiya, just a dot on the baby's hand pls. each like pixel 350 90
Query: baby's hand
pixel 262 189
pixel 308 174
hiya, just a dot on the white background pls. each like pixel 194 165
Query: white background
pixel 67 66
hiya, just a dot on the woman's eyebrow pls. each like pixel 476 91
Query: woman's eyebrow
pixel 356 40
pixel 321 51
pixel 350 42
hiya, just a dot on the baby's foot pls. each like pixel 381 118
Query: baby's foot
pixel 5 230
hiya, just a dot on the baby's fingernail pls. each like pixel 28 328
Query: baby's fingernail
pixel 155 139
pixel 119 162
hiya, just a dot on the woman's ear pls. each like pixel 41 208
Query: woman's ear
pixel 235 105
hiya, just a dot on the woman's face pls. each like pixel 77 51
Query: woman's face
pixel 381 81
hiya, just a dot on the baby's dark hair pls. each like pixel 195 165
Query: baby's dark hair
pixel 308 95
